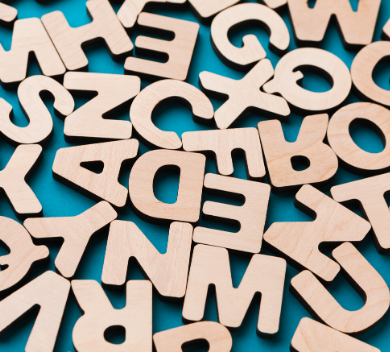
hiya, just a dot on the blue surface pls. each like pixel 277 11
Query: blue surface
pixel 59 200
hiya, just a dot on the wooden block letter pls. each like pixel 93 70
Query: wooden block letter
pixel 362 69
pixel 69 41
pixel 299 241
pixel 100 316
pixel 205 10
pixel 308 148
pixel 244 95
pixel 187 206
pixel 369 284
pixel 8 14
pixel 50 292
pixel 370 193
pixel 251 50
pixel 222 143
pixel 251 215
pixel 23 253
pixel 265 274
pixel 68 168
pixel 168 272
pixel 40 127
pixel 217 336
pixel 29 35
pixel 356 27
pixel 274 4
pixel 130 10
pixel 164 92
pixel 88 122
pixel 179 50
pixel 312 336
pixel 325 63
pixel 13 180
pixel 352 156
pixel 76 232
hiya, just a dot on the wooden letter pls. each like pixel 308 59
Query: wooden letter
pixel 265 274
pixel 244 95
pixel 325 63
pixel 356 27
pixel 370 193
pixel 130 10
pixel 13 180
pixel 362 68
pixel 299 241
pixel 205 10
pixel 40 127
pixel 251 50
pixel 368 283
pixel 386 31
pixel 223 143
pixel 251 215
pixel 50 292
pixel 168 272
pixel 29 35
pixel 274 4
pixel 76 232
pixel 312 336
pixel 154 96
pixel 68 168
pixel 217 336
pixel 187 206
pixel 340 140
pixel 88 122
pixel 178 50
pixel 100 316
pixel 23 253
pixel 309 147
pixel 8 14
pixel 69 41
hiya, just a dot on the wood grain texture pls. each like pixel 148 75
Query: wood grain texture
pixel 312 336
pixel 244 95
pixel 265 274
pixel 356 27
pixel 99 315
pixel 40 127
pixel 205 10
pixel 353 157
pixel 251 216
pixel 168 272
pixel 29 35
pixel 8 14
pixel 167 92
pixel 363 277
pixel 309 146
pixel 68 168
pixel 76 231
pixel 222 143
pixel 70 41
pixel 50 292
pixel 299 241
pixel 89 122
pixel 24 254
pixel 187 206
pixel 251 50
pixel 177 51
pixel 362 70
pixel 130 9
pixel 217 336
pixel 13 180
pixel 273 4
pixel 369 193
pixel 287 77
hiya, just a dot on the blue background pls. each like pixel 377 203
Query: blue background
pixel 59 200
